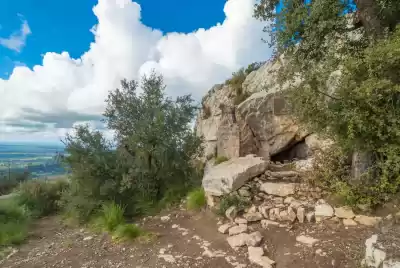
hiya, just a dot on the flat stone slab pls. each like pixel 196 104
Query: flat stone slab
pixel 232 174
pixel 279 189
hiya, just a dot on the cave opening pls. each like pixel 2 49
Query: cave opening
pixel 297 150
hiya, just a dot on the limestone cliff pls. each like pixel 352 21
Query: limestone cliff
pixel 260 125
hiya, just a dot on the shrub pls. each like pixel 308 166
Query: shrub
pixel 151 152
pixel 127 232
pixel 110 217
pixel 229 201
pixel 196 199
pixel 14 221
pixel 362 116
pixel 220 159
pixel 41 197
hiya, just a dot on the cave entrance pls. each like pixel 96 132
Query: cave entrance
pixel 297 150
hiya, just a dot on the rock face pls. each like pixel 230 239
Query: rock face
pixel 231 175
pixel 266 115
pixel 259 125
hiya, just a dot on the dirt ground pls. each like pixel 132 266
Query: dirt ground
pixel 187 240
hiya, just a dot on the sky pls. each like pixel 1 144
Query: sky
pixel 59 59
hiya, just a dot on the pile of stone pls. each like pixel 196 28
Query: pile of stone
pixel 277 192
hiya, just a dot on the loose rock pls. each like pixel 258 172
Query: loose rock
pixel 254 239
pixel 231 213
pixel 252 217
pixel 300 214
pixel 225 227
pixel 307 240
pixel 256 257
pixel 266 223
pixel 240 221
pixel 366 220
pixel 241 228
pixel 310 216
pixel 323 210
pixel 279 189
pixel 344 213
pixel 349 222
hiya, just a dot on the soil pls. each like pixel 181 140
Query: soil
pixel 188 239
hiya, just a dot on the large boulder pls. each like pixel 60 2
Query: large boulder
pixel 267 116
pixel 232 174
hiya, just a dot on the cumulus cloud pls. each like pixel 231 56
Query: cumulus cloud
pixel 17 40
pixel 63 91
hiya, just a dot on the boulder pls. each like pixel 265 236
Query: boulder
pixel 366 220
pixel 344 213
pixel 232 174
pixel 256 257
pixel 349 222
pixel 374 256
pixel 267 116
pixel 279 189
pixel 253 216
pixel 223 229
pixel 239 240
pixel 241 228
pixel 240 221
pixel 292 216
pixel 300 214
pixel 323 210
pixel 254 239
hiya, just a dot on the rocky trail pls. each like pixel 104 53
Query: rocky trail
pixel 186 239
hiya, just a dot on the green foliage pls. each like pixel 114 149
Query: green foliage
pixel 127 232
pixel 110 217
pixel 41 197
pixel 14 221
pixel 148 164
pixel 196 199
pixel 349 88
pixel 220 159
pixel 237 80
pixel 228 201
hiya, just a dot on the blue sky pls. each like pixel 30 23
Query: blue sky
pixel 64 25
pixel 59 59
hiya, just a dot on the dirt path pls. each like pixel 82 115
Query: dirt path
pixel 187 240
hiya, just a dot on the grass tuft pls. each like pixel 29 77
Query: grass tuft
pixel 196 199
pixel 125 232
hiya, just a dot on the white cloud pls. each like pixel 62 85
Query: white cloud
pixel 125 48
pixel 17 40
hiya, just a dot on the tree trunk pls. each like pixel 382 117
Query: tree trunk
pixel 368 11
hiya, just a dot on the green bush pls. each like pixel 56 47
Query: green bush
pixel 361 116
pixel 196 199
pixel 127 232
pixel 14 222
pixel 148 163
pixel 228 201
pixel 220 159
pixel 41 197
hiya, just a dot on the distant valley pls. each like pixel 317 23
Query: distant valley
pixel 38 159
